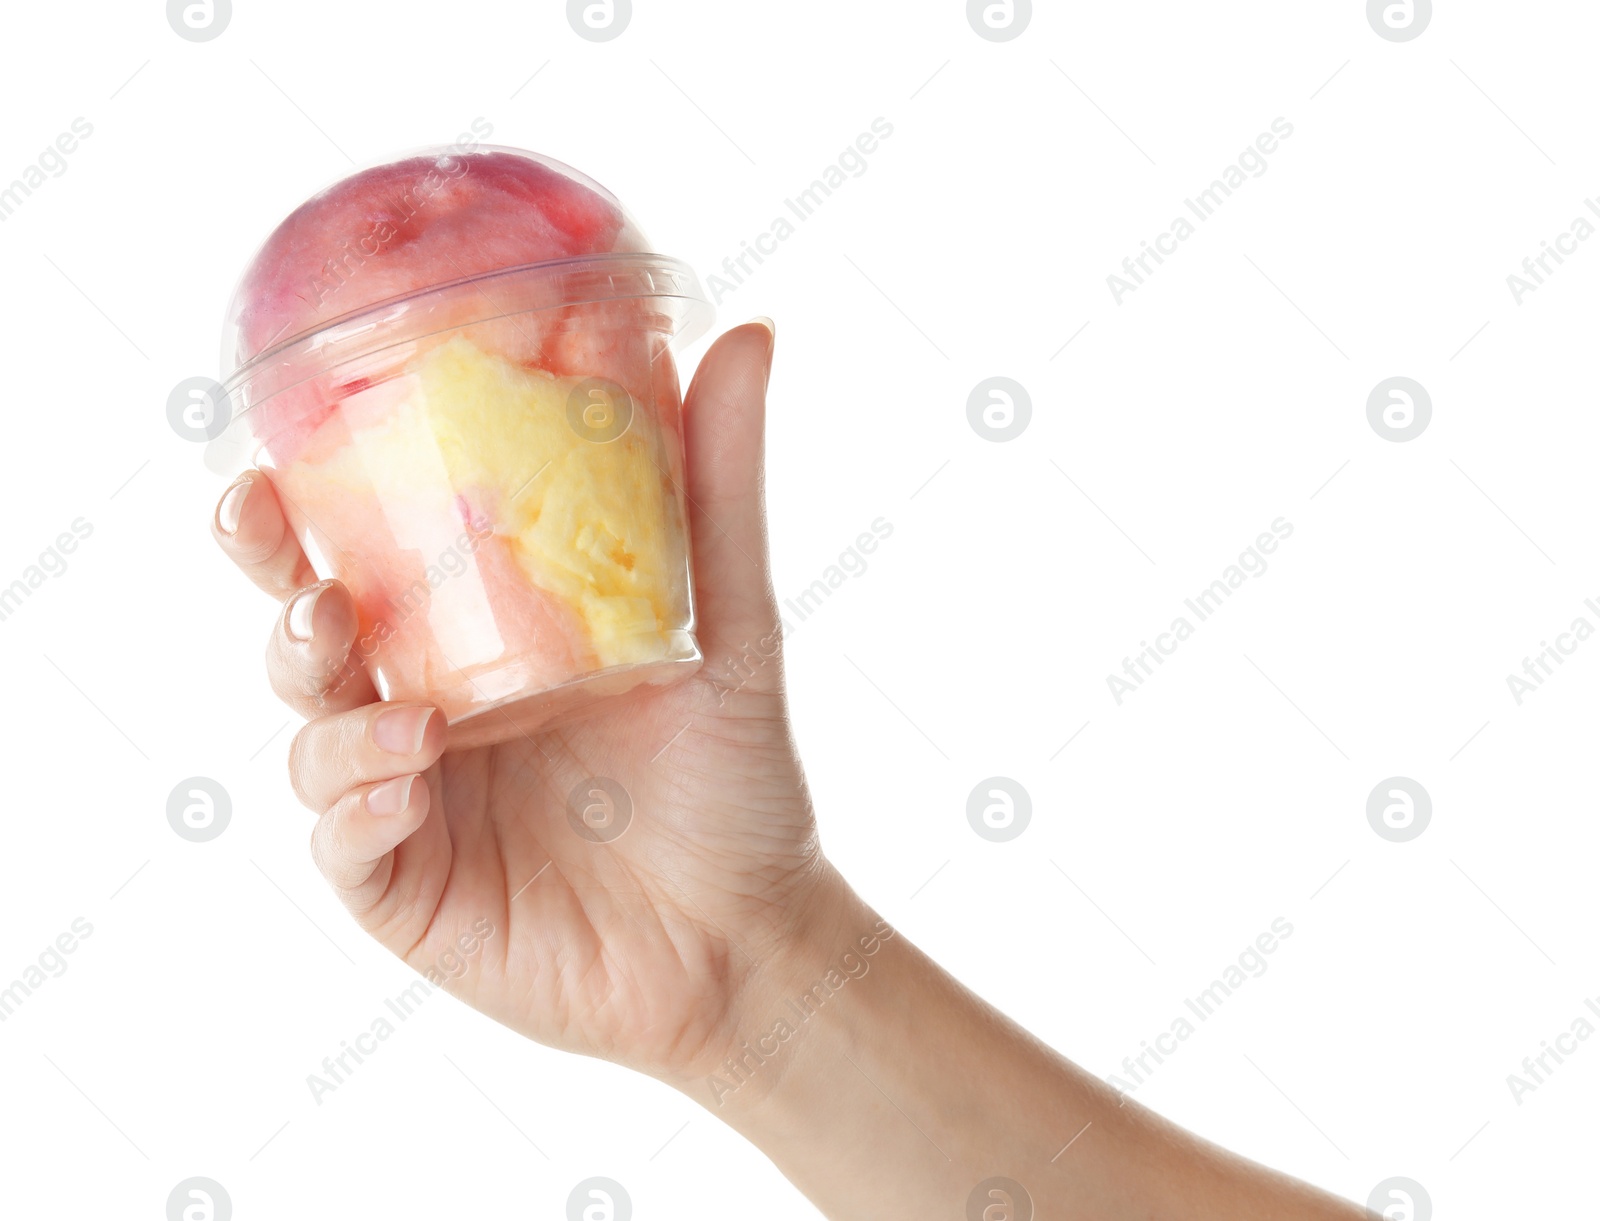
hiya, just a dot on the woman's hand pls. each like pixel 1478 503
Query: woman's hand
pixel 637 949
pixel 710 945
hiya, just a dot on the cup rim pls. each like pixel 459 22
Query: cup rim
pixel 549 284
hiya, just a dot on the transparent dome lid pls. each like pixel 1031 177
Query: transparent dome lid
pixel 441 238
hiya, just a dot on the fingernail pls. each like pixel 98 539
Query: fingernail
pixel 400 730
pixel 232 506
pixel 772 340
pixel 391 796
pixel 301 611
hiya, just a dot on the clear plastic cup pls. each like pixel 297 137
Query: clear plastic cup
pixel 456 370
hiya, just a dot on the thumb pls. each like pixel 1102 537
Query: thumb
pixel 724 438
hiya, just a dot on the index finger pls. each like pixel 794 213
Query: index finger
pixel 250 526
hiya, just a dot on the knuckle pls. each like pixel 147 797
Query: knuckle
pixel 316 762
pixel 334 855
pixel 282 677
pixel 286 669
pixel 299 752
pixel 350 746
pixel 309 680
pixel 325 757
pixel 251 554
pixel 327 848
pixel 319 851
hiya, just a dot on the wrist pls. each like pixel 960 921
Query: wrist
pixel 810 977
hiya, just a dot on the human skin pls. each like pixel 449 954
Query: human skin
pixel 676 946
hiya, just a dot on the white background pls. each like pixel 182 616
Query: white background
pixel 1228 391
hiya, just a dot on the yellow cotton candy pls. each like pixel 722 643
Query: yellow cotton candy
pixel 594 523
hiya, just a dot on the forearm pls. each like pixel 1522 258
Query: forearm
pixel 894 1092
